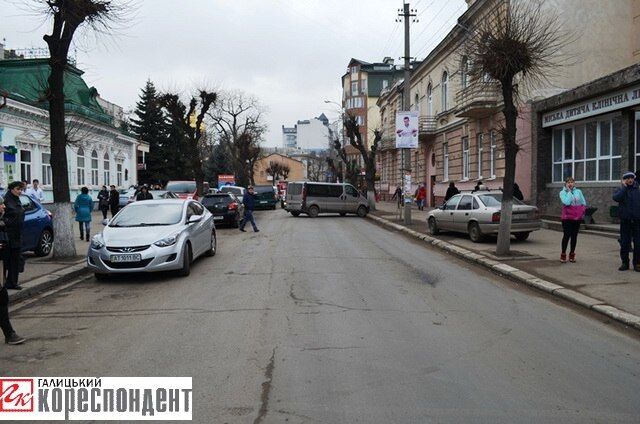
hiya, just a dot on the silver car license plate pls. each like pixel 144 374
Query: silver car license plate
pixel 136 257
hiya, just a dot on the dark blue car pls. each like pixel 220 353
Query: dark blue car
pixel 37 231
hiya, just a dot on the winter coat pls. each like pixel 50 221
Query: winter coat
pixel 114 198
pixel 83 207
pixel 248 200
pixel 451 191
pixel 144 196
pixel 628 198
pixel 103 199
pixel 421 193
pixel 518 194
pixel 573 204
pixel 13 219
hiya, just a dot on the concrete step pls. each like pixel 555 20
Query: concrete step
pixel 595 229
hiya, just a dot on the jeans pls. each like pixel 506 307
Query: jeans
pixel 629 231
pixel 570 228
pixel 248 216
pixel 85 227
pixel 5 324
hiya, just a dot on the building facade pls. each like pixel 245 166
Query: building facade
pixel 307 135
pixel 297 171
pixel 99 152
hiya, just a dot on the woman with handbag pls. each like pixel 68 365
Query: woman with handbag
pixel 573 209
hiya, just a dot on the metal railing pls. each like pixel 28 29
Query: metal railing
pixel 427 124
pixel 478 95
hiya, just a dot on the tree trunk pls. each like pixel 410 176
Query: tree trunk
pixel 510 151
pixel 370 177
pixel 62 223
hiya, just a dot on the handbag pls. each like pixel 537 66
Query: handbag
pixel 573 212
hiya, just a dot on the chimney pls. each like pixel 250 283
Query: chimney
pixel 388 61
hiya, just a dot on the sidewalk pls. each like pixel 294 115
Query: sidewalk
pixel 41 273
pixel 595 274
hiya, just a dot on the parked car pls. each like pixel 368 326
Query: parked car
pixel 238 191
pixel 265 197
pixel 37 230
pixel 158 194
pixel 184 189
pixel 154 235
pixel 226 208
pixel 315 198
pixel 478 214
pixel 127 196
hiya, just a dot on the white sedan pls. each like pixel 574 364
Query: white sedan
pixel 154 235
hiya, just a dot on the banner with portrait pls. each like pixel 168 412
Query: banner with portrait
pixel 407 130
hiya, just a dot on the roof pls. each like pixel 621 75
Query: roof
pixel 278 154
pixel 25 81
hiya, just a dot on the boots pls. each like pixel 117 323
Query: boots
pixel 563 258
pixel 88 235
pixel 572 257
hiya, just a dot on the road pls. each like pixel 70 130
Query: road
pixel 336 320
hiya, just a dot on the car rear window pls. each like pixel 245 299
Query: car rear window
pixel 186 187
pixel 495 199
pixel 263 189
pixel 216 200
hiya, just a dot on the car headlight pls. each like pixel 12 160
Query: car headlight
pixel 167 241
pixel 97 242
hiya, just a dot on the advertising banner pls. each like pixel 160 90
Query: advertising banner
pixel 407 130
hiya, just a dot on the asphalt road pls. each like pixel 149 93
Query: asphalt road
pixel 335 320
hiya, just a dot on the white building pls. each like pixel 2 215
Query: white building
pixel 307 135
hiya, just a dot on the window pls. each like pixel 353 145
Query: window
pixel 94 168
pixel 119 174
pixel 492 154
pixel 363 86
pixel 637 141
pixel 385 84
pixel 464 72
pixel 354 70
pixel 107 165
pixel 359 120
pixel 80 166
pixel 453 202
pixel 429 101
pixel 465 203
pixel 351 190
pixel 465 158
pixel 354 88
pixel 27 203
pixel 25 165
pixel 445 161
pixel 588 151
pixel 46 169
pixel 445 89
pixel 416 102
pixel 480 141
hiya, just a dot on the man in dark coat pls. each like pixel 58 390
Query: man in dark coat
pixel 13 219
pixel 114 201
pixel 103 201
pixel 144 194
pixel 628 198
pixel 248 200
pixel 451 191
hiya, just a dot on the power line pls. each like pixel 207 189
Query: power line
pixel 432 19
pixel 438 32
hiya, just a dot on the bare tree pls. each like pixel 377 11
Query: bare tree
pixel 368 155
pixel 316 167
pixel 68 16
pixel 190 120
pixel 238 119
pixel 275 170
pixel 517 45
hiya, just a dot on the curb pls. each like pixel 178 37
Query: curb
pixel 518 275
pixel 38 285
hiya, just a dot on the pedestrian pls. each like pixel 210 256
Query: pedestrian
pixel 573 208
pixel 25 186
pixel 103 201
pixel 451 191
pixel 114 200
pixel 13 220
pixel 10 336
pixel 421 196
pixel 144 194
pixel 398 194
pixel 248 200
pixel 628 198
pixel 35 192
pixel 83 207
pixel 517 193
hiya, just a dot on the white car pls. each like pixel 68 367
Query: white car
pixel 151 236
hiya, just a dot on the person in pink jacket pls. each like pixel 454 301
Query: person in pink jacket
pixel 573 209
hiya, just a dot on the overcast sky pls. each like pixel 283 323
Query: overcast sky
pixel 288 53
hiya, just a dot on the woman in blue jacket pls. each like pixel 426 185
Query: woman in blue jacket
pixel 573 208
pixel 83 207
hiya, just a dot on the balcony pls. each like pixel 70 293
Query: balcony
pixel 479 99
pixel 427 124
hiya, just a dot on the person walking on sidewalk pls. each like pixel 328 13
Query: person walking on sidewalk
pixel 573 208
pixel 10 336
pixel 248 200
pixel 451 191
pixel 13 220
pixel 83 207
pixel 114 201
pixel 628 198
pixel 103 201
pixel 398 194
pixel 421 196
pixel 144 194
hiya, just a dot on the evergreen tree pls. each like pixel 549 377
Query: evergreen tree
pixel 218 163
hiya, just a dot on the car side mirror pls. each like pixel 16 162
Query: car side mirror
pixel 194 218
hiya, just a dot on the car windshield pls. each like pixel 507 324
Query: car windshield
pixel 494 199
pixel 184 187
pixel 145 214
pixel 216 200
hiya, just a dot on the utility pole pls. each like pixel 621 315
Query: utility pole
pixel 406 105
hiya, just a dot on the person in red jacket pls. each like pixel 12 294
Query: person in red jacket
pixel 421 196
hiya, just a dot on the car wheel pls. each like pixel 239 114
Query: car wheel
pixel 101 277
pixel 186 262
pixel 475 234
pixel 362 212
pixel 314 211
pixel 214 245
pixel 294 213
pixel 45 244
pixel 343 214
pixel 433 227
pixel 522 236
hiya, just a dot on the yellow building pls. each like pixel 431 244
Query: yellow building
pixel 297 169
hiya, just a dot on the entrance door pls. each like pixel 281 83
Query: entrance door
pixel 432 191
